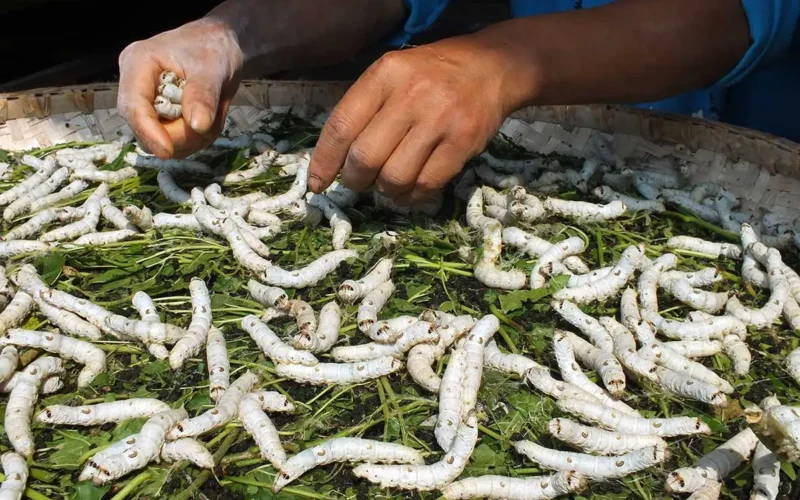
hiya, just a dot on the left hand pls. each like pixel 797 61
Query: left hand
pixel 414 118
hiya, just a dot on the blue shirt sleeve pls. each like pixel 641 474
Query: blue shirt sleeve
pixel 423 13
pixel 772 27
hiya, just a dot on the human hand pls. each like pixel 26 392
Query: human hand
pixel 207 55
pixel 414 118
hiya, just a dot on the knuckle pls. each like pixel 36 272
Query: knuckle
pixel 390 62
pixel 339 127
pixel 360 158
pixel 393 182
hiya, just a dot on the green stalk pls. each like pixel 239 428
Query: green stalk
pixel 703 224
pixel 206 474
pixel 132 485
pixel 258 484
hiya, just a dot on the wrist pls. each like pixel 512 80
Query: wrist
pixel 219 37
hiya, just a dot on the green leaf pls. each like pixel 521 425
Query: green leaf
pixel 74 445
pixel 109 275
pixel 788 469
pixel 51 266
pixel 513 301
pixel 127 427
pixel 88 491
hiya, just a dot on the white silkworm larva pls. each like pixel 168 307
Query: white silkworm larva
pixel 32 225
pixel 309 275
pixel 728 222
pixel 535 247
pixel 21 204
pixel 474 211
pixel 170 189
pixel 18 247
pixel 625 350
pixel 450 397
pixel 507 165
pixel 713 328
pixel 15 469
pixel 497 360
pixel 268 296
pixel 133 452
pixel 163 221
pixel 476 339
pixel 9 359
pixel 695 348
pixel 23 398
pixel 604 363
pixel 738 352
pixel 187 449
pixel 710 302
pixel 330 320
pixel 273 402
pixel 340 223
pixel 556 253
pixel 420 367
pixel 16 311
pixel 171 92
pixel 419 332
pixel 260 165
pixel 372 304
pixel 667 180
pixel 766 474
pixel 705 212
pixel 273 346
pixel 580 210
pixel 701 278
pixel 493 198
pixel 110 176
pixel 710 248
pixel 501 180
pixel 588 325
pixel 140 217
pixel 48 167
pixel 339 373
pixel 295 192
pixel 219 367
pixel 93 358
pixel 606 194
pixel 345 449
pixel 590 466
pixel 170 165
pixel 50 385
pixel 539 377
pixel 427 477
pixel 705 189
pixel 167 109
pixel 197 332
pixel 683 385
pixel 226 409
pixel 256 422
pixel 233 206
pixel 341 194
pixel 487 271
pixel 711 491
pixel 610 284
pixel 615 421
pixel 353 290
pixel 572 373
pixel 664 356
pixel 714 466
pixel 629 308
pixel 264 220
pixel 88 224
pixel 581 279
pixel 306 321
pixel 244 254
pixel 306 213
pixel 101 413
pixel 648 281
pixel 115 216
pixel 765 316
pixel 792 364
pixel 105 237
pixel 600 441
pixel 515 488
pixel 30 282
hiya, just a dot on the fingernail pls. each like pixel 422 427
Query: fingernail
pixel 314 183
pixel 158 150
pixel 200 119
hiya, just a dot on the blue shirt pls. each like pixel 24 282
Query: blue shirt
pixel 762 92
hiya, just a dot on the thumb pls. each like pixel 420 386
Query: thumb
pixel 200 100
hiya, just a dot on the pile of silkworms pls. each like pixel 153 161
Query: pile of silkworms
pixel 505 200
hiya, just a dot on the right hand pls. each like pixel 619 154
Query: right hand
pixel 207 55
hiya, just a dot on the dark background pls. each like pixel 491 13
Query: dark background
pixel 68 42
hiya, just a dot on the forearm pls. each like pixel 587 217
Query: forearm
pixel 280 35
pixel 627 51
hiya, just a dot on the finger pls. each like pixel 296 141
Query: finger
pixel 187 141
pixel 399 173
pixel 137 91
pixel 442 166
pixel 373 147
pixel 347 120
pixel 201 99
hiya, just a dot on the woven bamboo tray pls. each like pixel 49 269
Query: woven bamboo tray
pixel 764 170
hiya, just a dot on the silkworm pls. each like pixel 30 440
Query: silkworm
pixel 295 192
pixel 534 246
pixel 419 332
pixel 256 422
pixel 23 398
pixel 710 302
pixel 556 253
pixel 15 470
pixel 695 348
pixel 539 377
pixel 427 477
pixel 738 352
pixel 164 221
pixel 766 315
pixel 339 373
pixel 327 332
pixel 625 350
pixel 610 284
pixel 341 194
pixel 273 346
pixel 23 203
pixel 487 271
pixel 93 358
pixel 347 449
pixel 16 311
pixel 497 360
pixel 474 344
pixel 616 421
pixel 225 410
pixel 588 325
pixel 109 176
pixel 48 166
pixel 515 488
pixel 712 249
pixel 309 275
pixel 189 167
pixel 340 223
pixel 372 304
pixel 714 328
pixel 101 413
pixel 604 363
pixel 13 248
pixel 600 441
pixel 134 452
pixel 699 279
pixel 219 367
pixel 187 449
pixel 166 109
pixel 511 166
pixel 665 356
pixel 352 290
pixel 32 225
pixel 583 211
pixel 590 466
pixel 9 359
pixel 607 194
pixel 714 466
pixel 766 474
pixel 648 281
pixel 683 200
pixel 450 399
